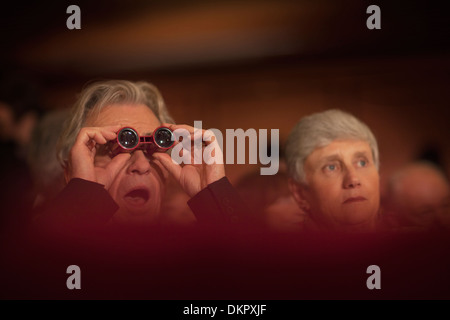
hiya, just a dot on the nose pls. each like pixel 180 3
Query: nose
pixel 351 179
pixel 139 164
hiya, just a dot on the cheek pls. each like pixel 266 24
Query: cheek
pixel 101 161
pixel 114 189
pixel 326 192
pixel 160 172
pixel 372 183
pixel 157 185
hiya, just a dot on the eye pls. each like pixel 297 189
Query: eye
pixel 331 167
pixel 362 163
pixel 107 150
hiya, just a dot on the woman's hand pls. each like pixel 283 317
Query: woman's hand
pixel 82 156
pixel 194 177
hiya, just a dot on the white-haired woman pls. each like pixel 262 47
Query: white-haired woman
pixel 333 163
pixel 104 186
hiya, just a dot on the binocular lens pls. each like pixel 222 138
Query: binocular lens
pixel 163 138
pixel 128 138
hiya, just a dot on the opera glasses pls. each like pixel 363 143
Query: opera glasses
pixel 128 140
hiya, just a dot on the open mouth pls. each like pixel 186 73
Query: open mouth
pixel 137 196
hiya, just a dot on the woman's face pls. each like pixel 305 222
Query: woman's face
pixel 138 187
pixel 342 185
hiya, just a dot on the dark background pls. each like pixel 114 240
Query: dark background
pixel 245 64
pixel 253 64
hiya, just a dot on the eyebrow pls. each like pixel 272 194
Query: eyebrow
pixel 323 161
pixel 332 157
pixel 361 154
pixel 335 157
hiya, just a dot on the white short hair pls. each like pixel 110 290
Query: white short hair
pixel 100 94
pixel 319 130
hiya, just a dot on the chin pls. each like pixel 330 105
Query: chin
pixel 358 216
pixel 141 215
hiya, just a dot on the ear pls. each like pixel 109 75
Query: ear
pixel 66 174
pixel 298 192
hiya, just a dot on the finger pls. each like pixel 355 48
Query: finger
pixel 110 132
pixel 196 135
pixel 107 175
pixel 118 162
pixel 160 170
pixel 209 137
pixel 167 162
pixel 189 139
pixel 182 126
pixel 97 134
pixel 214 172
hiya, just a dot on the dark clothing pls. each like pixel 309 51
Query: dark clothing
pixel 213 262
pixel 89 204
pixel 219 202
pixel 81 201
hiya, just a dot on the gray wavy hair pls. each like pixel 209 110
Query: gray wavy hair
pixel 98 95
pixel 319 130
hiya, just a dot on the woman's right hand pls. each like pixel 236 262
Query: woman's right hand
pixel 82 157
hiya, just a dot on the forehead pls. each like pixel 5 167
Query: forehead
pixel 137 116
pixel 340 149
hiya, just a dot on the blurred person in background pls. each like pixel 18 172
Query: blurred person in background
pixel 46 171
pixel 270 202
pixel 418 198
pixel 20 110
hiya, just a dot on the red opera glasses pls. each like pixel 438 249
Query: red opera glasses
pixel 128 140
